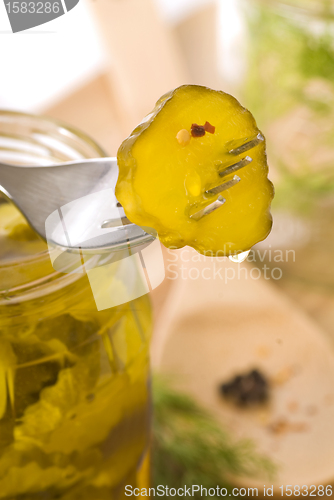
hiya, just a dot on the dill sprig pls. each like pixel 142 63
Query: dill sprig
pixel 189 447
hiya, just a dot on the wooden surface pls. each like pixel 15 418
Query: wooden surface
pixel 209 331
pixel 92 109
pixel 144 57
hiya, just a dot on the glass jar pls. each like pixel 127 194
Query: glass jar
pixel 288 84
pixel 74 381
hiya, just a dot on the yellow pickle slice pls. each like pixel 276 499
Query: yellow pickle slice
pixel 195 172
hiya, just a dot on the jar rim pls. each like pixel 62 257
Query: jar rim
pixel 60 124
pixel 65 131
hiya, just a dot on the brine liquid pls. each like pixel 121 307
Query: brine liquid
pixel 74 387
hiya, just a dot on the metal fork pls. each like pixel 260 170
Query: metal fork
pixel 73 204
pixel 226 169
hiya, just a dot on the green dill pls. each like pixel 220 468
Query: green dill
pixel 189 447
pixel 303 190
pixel 290 83
pixel 5 294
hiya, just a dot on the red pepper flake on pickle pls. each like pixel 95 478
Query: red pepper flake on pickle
pixel 197 130
pixel 209 128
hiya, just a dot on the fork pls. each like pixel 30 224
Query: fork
pixel 73 204
pixel 226 169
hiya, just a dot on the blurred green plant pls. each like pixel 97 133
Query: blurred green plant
pixel 302 191
pixel 284 54
pixel 317 56
pixel 290 79
pixel 189 447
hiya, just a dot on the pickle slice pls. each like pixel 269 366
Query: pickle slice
pixel 194 140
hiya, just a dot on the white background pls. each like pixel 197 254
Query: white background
pixel 41 65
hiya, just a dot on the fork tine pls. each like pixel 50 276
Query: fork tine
pixel 247 145
pixel 208 209
pixel 236 166
pixel 224 186
pixel 122 221
pixel 227 169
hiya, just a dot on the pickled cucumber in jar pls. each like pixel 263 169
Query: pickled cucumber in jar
pixel 74 392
